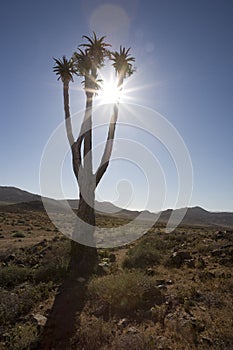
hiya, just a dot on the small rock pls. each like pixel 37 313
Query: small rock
pixel 132 330
pixel 21 265
pixel 202 308
pixel 104 264
pixel 158 282
pixel 207 340
pixel 106 260
pixel 169 282
pixel 220 235
pixel 150 271
pixel 162 287
pixel 190 263
pixel 40 320
pixel 123 322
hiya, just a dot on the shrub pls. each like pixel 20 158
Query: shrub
pixel 20 302
pixel 94 337
pixel 125 292
pixel 55 264
pixel 13 275
pixel 21 337
pixel 52 272
pixel 142 255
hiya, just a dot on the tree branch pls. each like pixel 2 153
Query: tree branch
pixel 108 146
pixel 76 159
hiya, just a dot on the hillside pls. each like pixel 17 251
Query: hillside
pixel 15 200
pixel 10 195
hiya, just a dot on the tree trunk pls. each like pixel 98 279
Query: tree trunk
pixel 83 246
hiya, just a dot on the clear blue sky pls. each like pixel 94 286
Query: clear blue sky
pixel 184 60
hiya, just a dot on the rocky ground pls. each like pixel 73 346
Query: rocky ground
pixel 164 291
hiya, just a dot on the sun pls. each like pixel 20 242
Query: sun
pixel 109 92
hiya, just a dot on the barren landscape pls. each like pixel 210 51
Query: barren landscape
pixel 164 291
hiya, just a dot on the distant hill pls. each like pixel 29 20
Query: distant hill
pixel 201 217
pixel 14 199
pixel 12 195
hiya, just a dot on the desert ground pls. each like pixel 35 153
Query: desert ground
pixel 167 291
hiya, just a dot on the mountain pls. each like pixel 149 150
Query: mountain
pixel 12 195
pixel 15 199
pixel 201 217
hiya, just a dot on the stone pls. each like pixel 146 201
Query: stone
pixel 106 260
pixel 207 340
pixel 123 322
pixel 150 271
pixel 132 330
pixel 162 287
pixel 190 263
pixel 158 282
pixel 39 319
pixel 169 282
pixel 220 235
pixel 104 264
pixel 21 265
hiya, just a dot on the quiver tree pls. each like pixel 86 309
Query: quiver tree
pixel 86 63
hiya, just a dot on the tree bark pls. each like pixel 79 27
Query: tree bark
pixel 83 246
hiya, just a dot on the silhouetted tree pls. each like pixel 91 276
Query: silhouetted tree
pixel 86 62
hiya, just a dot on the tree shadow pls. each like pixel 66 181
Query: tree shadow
pixel 64 318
